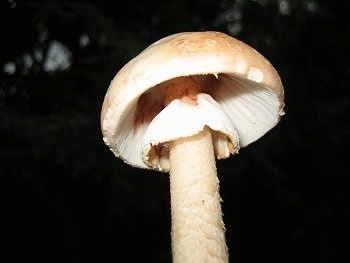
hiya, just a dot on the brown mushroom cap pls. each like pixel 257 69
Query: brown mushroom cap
pixel 241 80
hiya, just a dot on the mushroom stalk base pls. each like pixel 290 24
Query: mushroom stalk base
pixel 198 233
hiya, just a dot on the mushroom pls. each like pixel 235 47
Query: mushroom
pixel 183 102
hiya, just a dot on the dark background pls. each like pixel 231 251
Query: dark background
pixel 64 197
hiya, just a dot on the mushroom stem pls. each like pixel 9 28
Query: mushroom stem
pixel 198 233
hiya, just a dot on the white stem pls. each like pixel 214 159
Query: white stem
pixel 198 233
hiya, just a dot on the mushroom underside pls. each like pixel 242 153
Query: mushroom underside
pixel 248 110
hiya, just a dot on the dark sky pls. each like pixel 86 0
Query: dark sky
pixel 66 198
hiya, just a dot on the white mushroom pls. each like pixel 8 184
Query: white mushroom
pixel 186 100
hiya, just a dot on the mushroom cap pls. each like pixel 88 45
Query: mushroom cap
pixel 243 82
